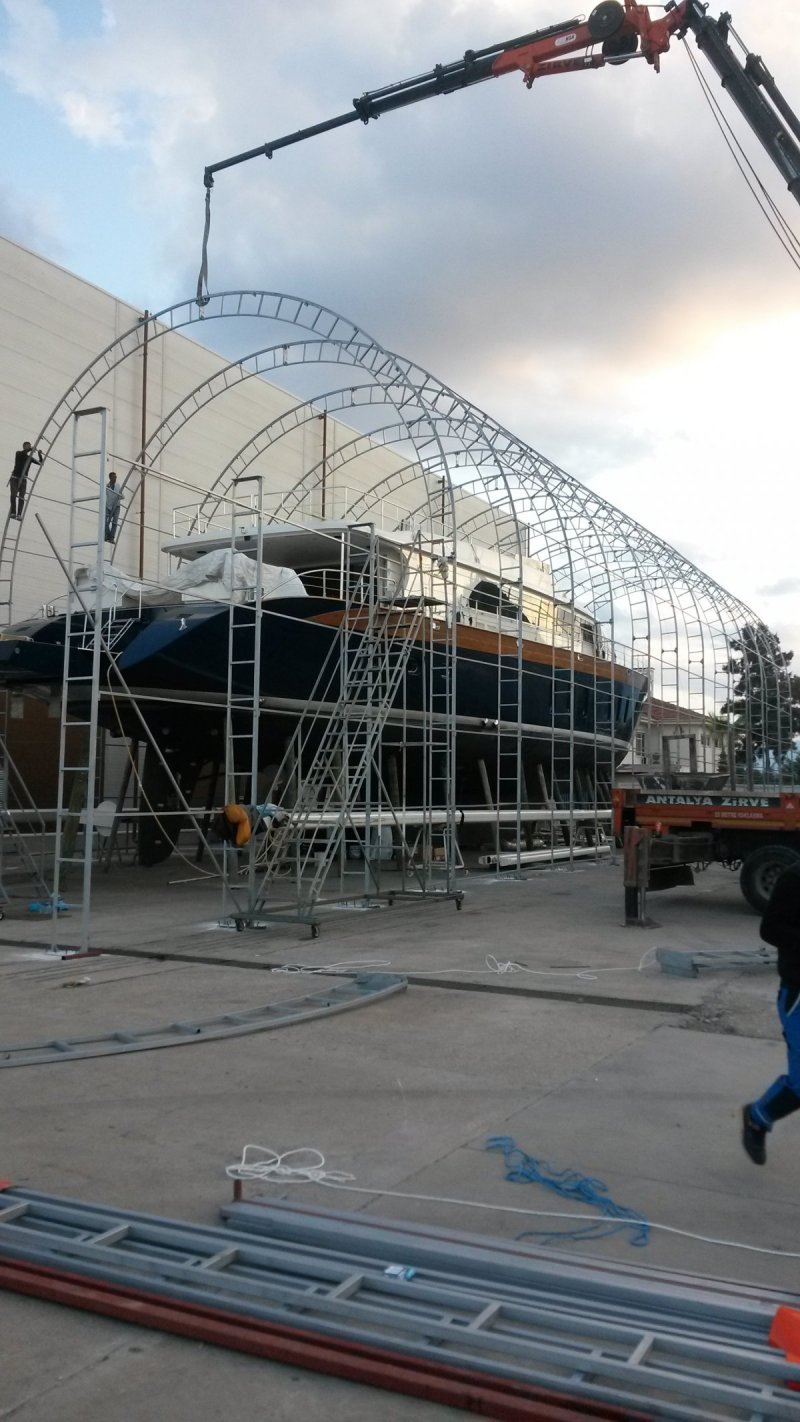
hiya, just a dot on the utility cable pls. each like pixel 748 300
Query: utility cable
pixel 271 1167
pixel 494 966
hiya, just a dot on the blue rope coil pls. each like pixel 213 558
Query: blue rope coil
pixel 522 1168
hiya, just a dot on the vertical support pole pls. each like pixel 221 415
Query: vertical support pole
pixel 375 633
pixel 393 792
pixel 666 759
pixel 143 471
pixel 490 804
pixel 527 828
pixel 111 843
pixel 636 874
pixel 324 479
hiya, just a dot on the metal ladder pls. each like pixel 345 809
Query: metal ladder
pixel 82 661
pixel 439 705
pixel 508 754
pixel 243 703
pixel 626 1342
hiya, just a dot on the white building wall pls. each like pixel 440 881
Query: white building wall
pixel 689 748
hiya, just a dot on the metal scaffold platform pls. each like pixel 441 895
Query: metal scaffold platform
pixel 664 1346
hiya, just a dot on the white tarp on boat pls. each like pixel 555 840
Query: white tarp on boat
pixel 225 574
pixel 117 586
pixel 216 576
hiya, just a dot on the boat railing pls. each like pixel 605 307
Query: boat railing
pixel 80 604
pixel 566 637
pixel 346 583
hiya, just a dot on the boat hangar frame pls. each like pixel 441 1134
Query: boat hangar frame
pixel 458 480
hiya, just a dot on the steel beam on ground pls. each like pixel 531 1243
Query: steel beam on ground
pixel 357 992
pixel 647 1297
pixel 670 1370
pixel 376 1367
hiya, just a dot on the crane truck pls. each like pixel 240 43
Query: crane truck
pixel 756 834
pixel 615 32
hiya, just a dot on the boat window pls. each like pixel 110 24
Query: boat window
pixel 538 610
pixel 490 597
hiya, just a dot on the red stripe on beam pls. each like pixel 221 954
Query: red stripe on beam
pixel 499 1398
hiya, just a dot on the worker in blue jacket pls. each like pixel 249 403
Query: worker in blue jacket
pixel 780 926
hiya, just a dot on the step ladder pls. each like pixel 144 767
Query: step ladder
pixel 656 1349
pixel 375 647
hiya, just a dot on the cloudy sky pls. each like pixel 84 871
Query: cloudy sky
pixel 583 260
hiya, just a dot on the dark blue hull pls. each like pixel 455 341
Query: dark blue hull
pixel 187 652
pixel 572 717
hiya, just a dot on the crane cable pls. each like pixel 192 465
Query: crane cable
pixel 203 297
pixel 779 224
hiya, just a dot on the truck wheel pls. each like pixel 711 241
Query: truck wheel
pixel 760 870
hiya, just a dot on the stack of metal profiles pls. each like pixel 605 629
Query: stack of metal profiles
pixel 474 1322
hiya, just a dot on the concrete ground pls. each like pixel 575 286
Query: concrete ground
pixel 592 1059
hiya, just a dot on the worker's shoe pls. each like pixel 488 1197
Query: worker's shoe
pixel 754 1138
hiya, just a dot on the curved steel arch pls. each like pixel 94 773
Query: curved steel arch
pixel 229 378
pixel 257 305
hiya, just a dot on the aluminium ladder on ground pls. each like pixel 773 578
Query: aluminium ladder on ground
pixel 83 637
pixel 623 1346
